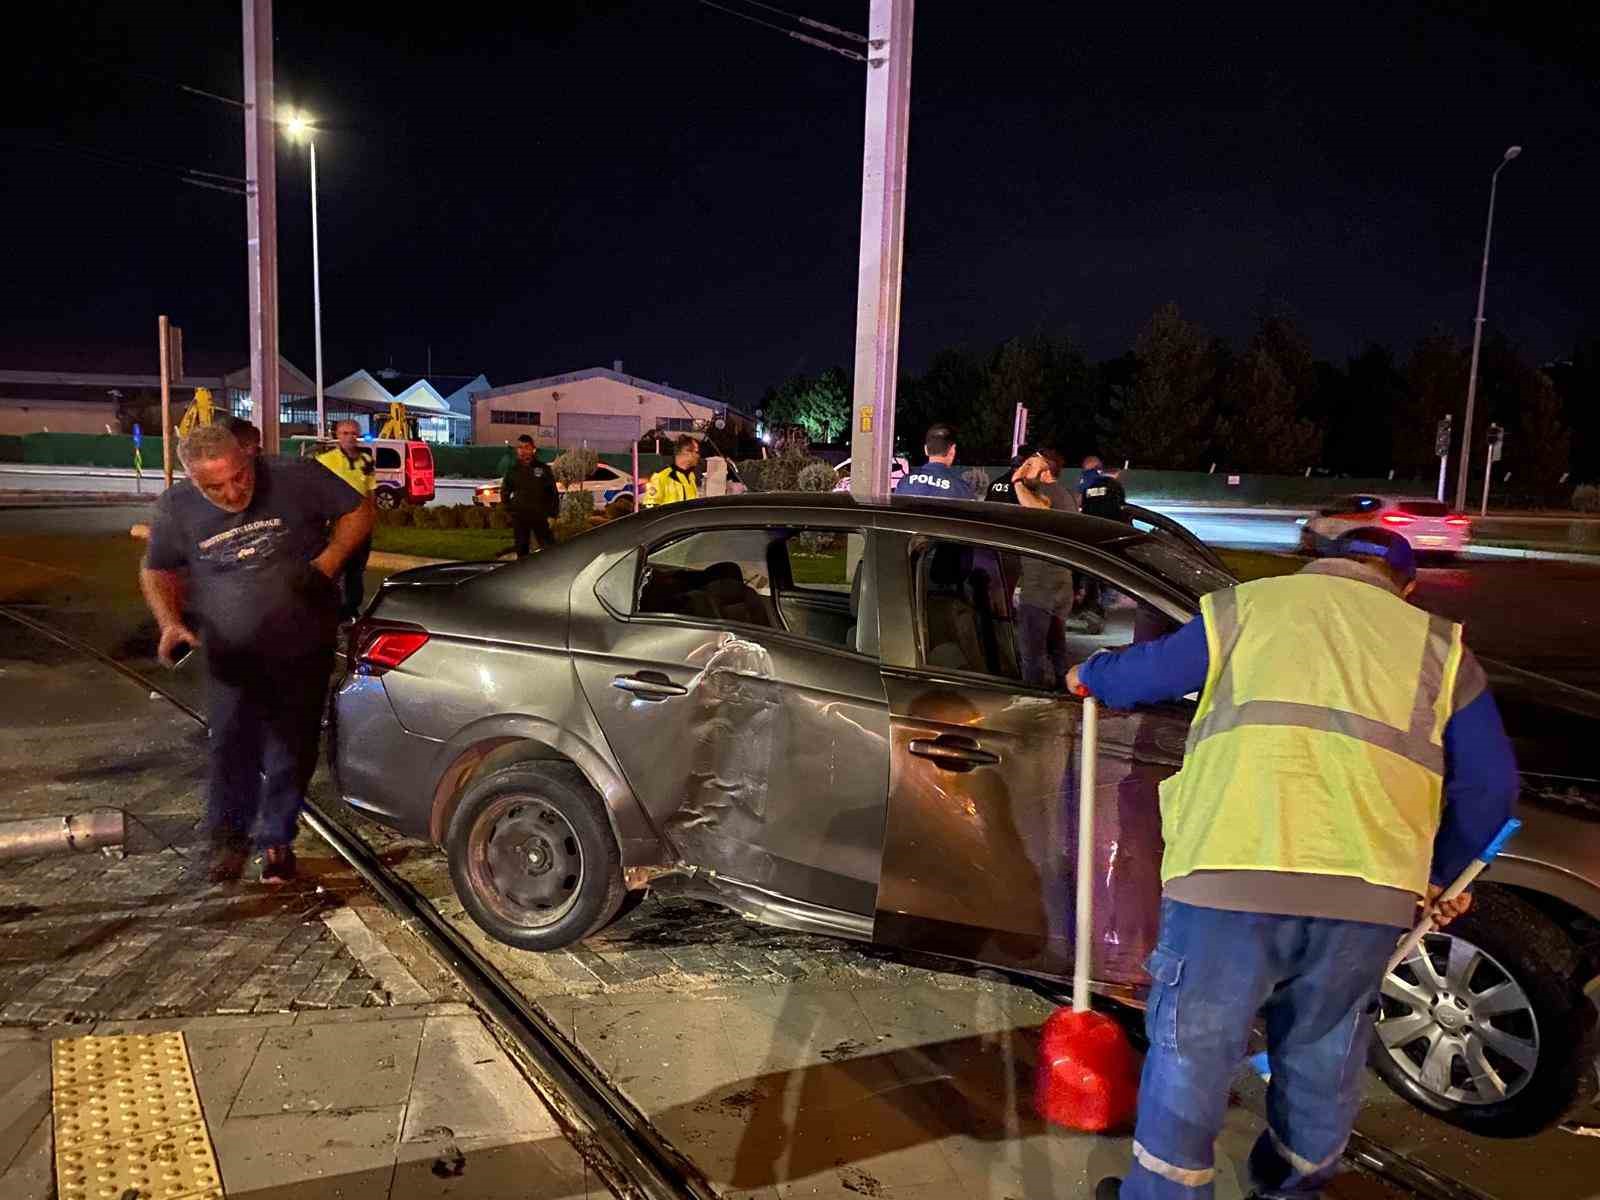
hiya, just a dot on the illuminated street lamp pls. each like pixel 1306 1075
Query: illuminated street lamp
pixel 301 129
pixel 1477 338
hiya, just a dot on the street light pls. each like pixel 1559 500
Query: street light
pixel 301 129
pixel 1477 337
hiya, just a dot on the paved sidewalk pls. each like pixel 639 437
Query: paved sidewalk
pixel 359 1104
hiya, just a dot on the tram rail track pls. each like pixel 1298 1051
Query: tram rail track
pixel 636 1159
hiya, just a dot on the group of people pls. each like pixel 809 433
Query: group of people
pixel 529 495
pixel 1345 761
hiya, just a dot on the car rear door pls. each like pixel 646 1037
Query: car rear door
pixel 980 845
pixel 754 731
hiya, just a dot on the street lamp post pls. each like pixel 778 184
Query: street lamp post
pixel 1477 337
pixel 301 129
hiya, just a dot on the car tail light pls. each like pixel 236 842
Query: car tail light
pixel 1458 520
pixel 383 649
pixel 1397 519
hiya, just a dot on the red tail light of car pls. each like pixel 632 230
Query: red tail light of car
pixel 385 648
pixel 1458 520
pixel 1397 519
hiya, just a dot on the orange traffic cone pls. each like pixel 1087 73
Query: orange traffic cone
pixel 1088 1073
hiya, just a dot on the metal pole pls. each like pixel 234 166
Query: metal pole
pixel 102 828
pixel 1444 461
pixel 316 289
pixel 883 192
pixel 1488 470
pixel 261 218
pixel 1477 336
pixel 163 341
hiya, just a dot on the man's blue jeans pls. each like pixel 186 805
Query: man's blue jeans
pixel 1315 981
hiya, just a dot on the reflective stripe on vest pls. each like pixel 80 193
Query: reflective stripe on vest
pixel 1313 749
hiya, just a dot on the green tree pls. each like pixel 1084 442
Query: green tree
pixel 1165 414
pixel 953 389
pixel 818 404
pixel 1361 401
pixel 1263 432
pixel 1436 384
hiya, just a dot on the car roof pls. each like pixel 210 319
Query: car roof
pixel 1076 527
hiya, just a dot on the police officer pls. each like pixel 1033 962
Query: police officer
pixel 676 483
pixel 1345 760
pixel 1105 497
pixel 938 476
pixel 350 463
pixel 528 493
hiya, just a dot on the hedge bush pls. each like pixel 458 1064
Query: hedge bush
pixel 1586 498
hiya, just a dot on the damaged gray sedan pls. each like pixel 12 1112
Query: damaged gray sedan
pixel 846 718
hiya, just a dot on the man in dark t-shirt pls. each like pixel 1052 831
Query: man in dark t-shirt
pixel 244 550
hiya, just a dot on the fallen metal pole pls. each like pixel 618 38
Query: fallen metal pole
pixel 52 835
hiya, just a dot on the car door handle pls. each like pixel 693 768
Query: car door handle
pixel 649 685
pixel 953 753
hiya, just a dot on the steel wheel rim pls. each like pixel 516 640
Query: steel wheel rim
pixel 1458 1024
pixel 525 861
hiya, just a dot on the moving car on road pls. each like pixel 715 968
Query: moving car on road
pixel 1429 525
pixel 605 482
pixel 813 711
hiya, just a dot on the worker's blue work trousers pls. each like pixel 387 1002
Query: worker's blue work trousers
pixel 1315 982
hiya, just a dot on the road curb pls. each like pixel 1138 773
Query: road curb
pixel 400 562
pixel 1592 560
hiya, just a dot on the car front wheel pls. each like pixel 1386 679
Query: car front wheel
pixel 387 498
pixel 1487 1026
pixel 533 858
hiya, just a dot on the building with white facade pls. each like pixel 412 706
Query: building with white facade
pixel 597 408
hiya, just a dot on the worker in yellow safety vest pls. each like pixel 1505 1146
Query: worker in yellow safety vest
pixel 1345 761
pixel 353 465
pixel 676 483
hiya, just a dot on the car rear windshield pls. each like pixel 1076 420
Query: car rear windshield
pixel 1178 566
pixel 1425 508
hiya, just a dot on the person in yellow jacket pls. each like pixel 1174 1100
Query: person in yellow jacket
pixel 674 484
pixel 1345 761
pixel 353 465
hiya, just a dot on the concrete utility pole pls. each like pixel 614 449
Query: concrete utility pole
pixel 261 218
pixel 164 351
pixel 883 213
pixel 1477 336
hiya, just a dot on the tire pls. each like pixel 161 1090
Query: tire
pixel 533 858
pixel 388 498
pixel 1547 1021
pixel 1308 543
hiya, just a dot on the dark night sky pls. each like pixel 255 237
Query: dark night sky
pixel 662 183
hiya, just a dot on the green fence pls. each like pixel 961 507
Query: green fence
pixel 11 447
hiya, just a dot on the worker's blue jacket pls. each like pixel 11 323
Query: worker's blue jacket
pixel 1480 774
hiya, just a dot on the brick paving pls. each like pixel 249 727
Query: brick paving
pixel 88 936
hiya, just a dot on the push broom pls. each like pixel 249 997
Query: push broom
pixel 1088 1073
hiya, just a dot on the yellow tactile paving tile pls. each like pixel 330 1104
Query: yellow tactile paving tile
pixel 128 1122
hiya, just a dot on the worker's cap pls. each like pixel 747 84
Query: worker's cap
pixel 1372 542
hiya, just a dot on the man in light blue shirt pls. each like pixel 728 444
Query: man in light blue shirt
pixel 938 476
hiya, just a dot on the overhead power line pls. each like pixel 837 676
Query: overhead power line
pixel 795 34
pixel 189 175
pixel 822 25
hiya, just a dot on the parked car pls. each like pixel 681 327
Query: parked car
pixel 897 471
pixel 404 468
pixel 1429 525
pixel 812 710
pixel 605 481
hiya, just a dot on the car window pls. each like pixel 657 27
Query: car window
pixel 807 582
pixel 1175 562
pixel 603 472
pixel 1021 618
pixel 388 458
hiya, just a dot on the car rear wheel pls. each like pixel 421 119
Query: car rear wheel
pixel 388 498
pixel 1488 1027
pixel 533 858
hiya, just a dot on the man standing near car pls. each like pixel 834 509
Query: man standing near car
pixel 1345 760
pixel 528 493
pixel 244 545
pixel 675 483
pixel 938 476
pixel 351 464
pixel 1104 497
pixel 1044 591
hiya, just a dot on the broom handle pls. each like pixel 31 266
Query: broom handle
pixel 1083 942
pixel 1461 883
